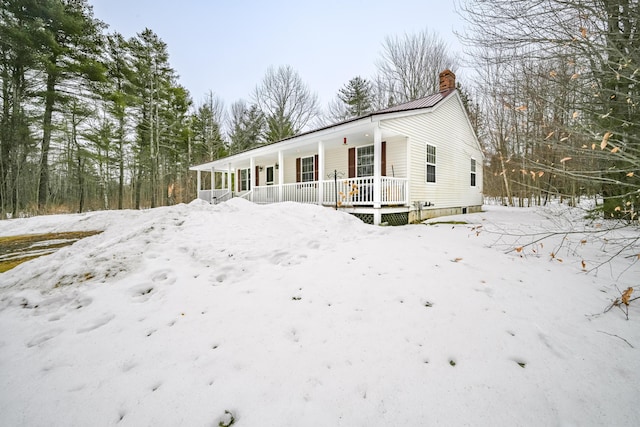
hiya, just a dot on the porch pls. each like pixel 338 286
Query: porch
pixel 357 166
pixel 340 192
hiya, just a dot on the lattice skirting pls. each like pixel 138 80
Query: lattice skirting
pixel 364 217
pixel 398 218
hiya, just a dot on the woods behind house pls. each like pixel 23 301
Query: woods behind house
pixel 90 119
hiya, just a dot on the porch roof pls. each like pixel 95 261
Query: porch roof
pixel 357 131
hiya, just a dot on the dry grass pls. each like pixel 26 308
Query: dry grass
pixel 14 250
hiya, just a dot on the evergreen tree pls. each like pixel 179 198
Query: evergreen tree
pixel 208 143
pixel 357 95
pixel 117 94
pixel 247 127
pixel 152 82
pixel 18 59
pixel 68 44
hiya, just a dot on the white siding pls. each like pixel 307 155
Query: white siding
pixel 397 157
pixel 336 159
pixel 447 128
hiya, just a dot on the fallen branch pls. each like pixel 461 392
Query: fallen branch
pixel 614 335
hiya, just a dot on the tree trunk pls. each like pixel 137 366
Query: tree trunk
pixel 43 185
pixel 120 161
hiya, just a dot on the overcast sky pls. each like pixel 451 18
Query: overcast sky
pixel 227 46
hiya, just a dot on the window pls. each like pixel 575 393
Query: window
pixel 431 163
pixel 364 161
pixel 269 175
pixel 473 172
pixel 307 169
pixel 245 180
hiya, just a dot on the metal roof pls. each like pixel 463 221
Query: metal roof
pixel 426 102
pixel 417 104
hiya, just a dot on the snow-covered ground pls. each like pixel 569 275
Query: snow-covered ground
pixel 297 315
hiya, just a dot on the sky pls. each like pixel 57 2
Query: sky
pixel 189 315
pixel 227 46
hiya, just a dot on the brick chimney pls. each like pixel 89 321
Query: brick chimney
pixel 447 80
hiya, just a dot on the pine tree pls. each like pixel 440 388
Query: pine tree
pixel 247 127
pixel 357 95
pixel 68 45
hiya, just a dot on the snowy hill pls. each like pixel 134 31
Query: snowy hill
pixel 297 315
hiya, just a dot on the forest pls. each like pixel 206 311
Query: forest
pixel 92 120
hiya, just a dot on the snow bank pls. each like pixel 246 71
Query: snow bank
pixel 296 315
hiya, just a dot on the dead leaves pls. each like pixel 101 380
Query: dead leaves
pixel 623 301
pixel 605 140
pixel 626 296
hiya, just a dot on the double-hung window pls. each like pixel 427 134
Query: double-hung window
pixel 473 172
pixel 431 163
pixel 364 161
pixel 245 180
pixel 307 170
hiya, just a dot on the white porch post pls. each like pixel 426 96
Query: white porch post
pixel 320 172
pixel 229 177
pixel 199 184
pixel 377 172
pixel 213 180
pixel 280 174
pixel 406 184
pixel 252 179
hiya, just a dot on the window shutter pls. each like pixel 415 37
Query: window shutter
pixel 257 176
pixel 352 162
pixel 384 158
pixel 315 167
pixel 298 169
pixel 238 181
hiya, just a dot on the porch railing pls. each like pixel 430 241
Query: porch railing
pixel 394 191
pixel 301 192
pixel 265 194
pixel 214 196
pixel 350 192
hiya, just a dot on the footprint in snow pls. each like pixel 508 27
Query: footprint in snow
pixel 96 323
pixel 44 337
pixel 164 276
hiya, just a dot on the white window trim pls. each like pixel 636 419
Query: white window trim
pixel 313 168
pixel 474 172
pixel 266 175
pixel 247 180
pixel 427 163
pixel 373 164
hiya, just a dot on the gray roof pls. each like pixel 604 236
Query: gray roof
pixel 426 102
pixel 417 104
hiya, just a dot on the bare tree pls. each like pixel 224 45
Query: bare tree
pixel 409 66
pixel 572 91
pixel 286 102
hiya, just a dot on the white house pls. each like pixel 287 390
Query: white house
pixel 402 164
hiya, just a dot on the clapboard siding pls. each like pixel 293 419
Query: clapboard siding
pixel 397 157
pixel 447 129
pixel 336 159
